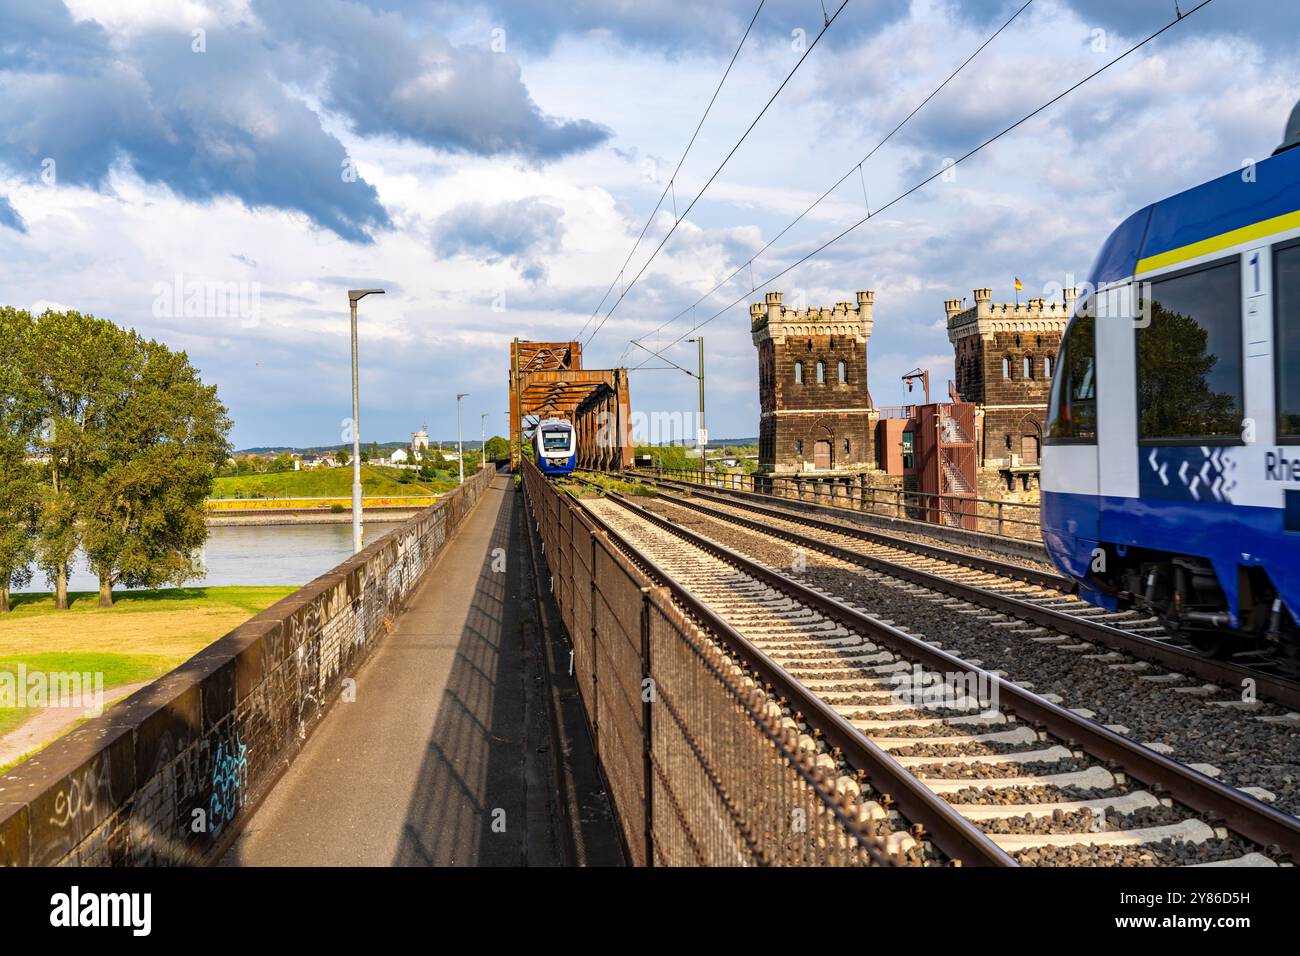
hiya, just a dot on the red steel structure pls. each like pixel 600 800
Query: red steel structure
pixel 547 380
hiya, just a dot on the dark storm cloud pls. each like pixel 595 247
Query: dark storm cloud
pixel 9 216
pixel 230 122
pixel 389 78
pixel 206 125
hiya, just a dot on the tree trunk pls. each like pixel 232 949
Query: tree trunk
pixel 105 590
pixel 61 588
pixel 4 598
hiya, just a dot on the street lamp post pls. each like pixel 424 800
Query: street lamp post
pixel 460 448
pixel 702 437
pixel 354 296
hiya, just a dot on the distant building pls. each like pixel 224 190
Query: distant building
pixel 1005 356
pixel 419 443
pixel 400 456
pixel 814 406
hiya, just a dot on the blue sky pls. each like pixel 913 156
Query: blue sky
pixel 491 165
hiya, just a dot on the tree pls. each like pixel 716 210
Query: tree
pixel 142 513
pixel 78 367
pixel 129 440
pixel 497 448
pixel 20 489
pixel 344 458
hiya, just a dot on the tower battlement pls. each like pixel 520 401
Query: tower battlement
pixel 770 319
pixel 1004 359
pixel 814 407
pixel 986 318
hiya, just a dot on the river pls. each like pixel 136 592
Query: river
pixel 255 554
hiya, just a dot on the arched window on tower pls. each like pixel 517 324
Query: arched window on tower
pixel 1028 367
pixel 821 372
pixel 1047 366
pixel 844 372
pixel 1006 366
pixel 798 373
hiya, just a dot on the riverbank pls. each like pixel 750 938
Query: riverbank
pixel 143 636
pixel 269 517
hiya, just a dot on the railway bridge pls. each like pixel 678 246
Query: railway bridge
pixel 546 673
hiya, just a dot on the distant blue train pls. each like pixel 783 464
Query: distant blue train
pixel 1171 467
pixel 555 446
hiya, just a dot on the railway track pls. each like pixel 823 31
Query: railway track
pixel 1031 594
pixel 1027 781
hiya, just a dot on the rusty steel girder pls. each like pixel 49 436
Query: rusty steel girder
pixel 547 380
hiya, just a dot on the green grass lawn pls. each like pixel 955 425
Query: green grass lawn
pixel 144 635
pixel 376 481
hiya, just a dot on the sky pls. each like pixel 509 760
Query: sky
pixel 218 173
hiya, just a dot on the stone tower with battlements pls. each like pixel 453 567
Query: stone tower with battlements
pixel 815 410
pixel 1005 357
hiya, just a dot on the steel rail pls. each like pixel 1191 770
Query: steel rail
pixel 1272 686
pixel 1237 811
pixel 959 839
pixel 1046 579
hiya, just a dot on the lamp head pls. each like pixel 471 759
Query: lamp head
pixel 355 295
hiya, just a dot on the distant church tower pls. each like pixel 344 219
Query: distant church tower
pixel 814 407
pixel 419 442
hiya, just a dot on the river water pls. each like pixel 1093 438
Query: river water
pixel 255 554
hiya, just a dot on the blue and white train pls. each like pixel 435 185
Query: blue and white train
pixel 1171 466
pixel 555 446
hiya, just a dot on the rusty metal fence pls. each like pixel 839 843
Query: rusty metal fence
pixel 702 769
pixel 1010 519
pixel 169 775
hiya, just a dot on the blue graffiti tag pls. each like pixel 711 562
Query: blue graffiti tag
pixel 229 777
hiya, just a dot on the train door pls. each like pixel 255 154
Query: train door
pixel 1069 469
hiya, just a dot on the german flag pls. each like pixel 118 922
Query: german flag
pixel 1019 284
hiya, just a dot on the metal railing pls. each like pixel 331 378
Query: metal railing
pixel 700 766
pixel 1010 519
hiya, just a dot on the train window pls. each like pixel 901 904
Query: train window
pixel 1073 409
pixel 1286 302
pixel 798 373
pixel 1189 357
pixel 909 445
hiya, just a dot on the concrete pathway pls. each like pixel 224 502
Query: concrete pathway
pixel 442 759
pixel 50 723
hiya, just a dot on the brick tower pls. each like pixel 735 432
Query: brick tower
pixel 814 407
pixel 1005 356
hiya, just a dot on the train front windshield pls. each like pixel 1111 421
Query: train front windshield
pixel 555 441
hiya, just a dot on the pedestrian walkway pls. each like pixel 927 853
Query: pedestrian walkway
pixel 442 758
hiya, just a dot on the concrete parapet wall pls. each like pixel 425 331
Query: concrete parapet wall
pixel 170 775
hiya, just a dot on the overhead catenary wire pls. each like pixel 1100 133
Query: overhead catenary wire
pixel 685 153
pixel 935 175
pixel 766 106
pixel 849 172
